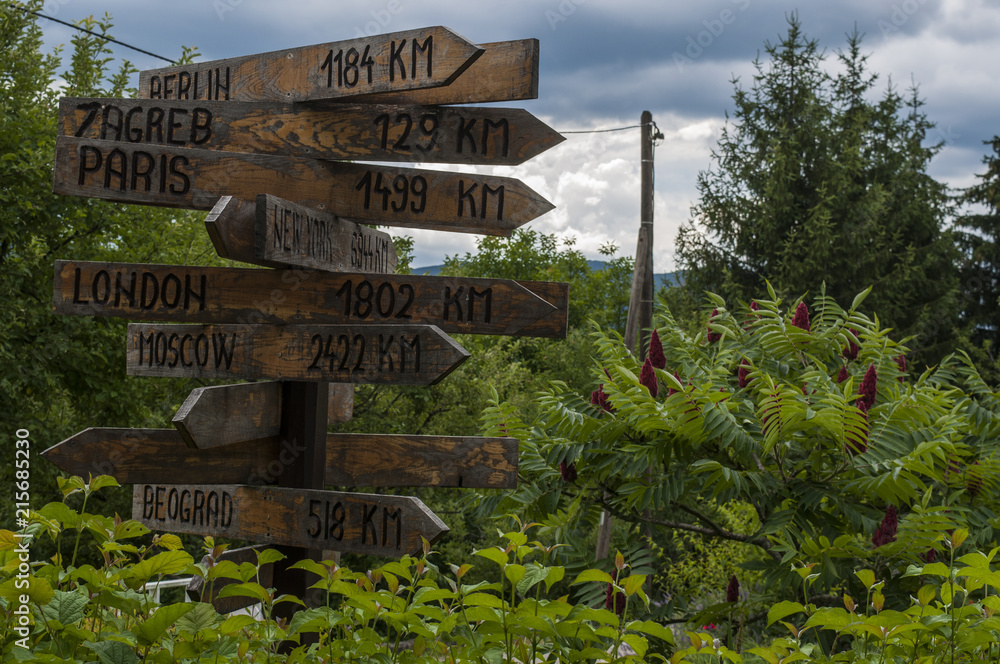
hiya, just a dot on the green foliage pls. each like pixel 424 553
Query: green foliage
pixel 61 374
pixel 406 611
pixel 978 237
pixel 786 439
pixel 815 182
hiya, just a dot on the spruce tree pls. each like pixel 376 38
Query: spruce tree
pixel 815 182
pixel 978 236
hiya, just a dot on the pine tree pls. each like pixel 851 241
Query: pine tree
pixel 813 183
pixel 978 236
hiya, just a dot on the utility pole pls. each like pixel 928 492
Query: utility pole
pixel 640 303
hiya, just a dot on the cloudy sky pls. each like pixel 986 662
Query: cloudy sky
pixel 605 61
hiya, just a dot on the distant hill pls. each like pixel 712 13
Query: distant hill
pixel 659 278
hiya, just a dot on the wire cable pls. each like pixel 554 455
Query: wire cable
pixel 91 32
pixel 600 131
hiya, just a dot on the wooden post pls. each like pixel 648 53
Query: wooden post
pixel 303 425
pixel 640 303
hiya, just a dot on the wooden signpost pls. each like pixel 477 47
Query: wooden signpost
pixel 349 522
pixel 223 295
pixel 307 237
pixel 375 132
pixel 194 179
pixel 137 456
pixel 408 60
pixel 506 71
pixel 378 354
pixel 253 461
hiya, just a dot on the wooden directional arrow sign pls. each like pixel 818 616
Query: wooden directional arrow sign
pixel 278 233
pixel 137 456
pixel 227 414
pixel 312 519
pixel 195 179
pixel 249 296
pixel 370 132
pixel 507 71
pixel 409 60
pixel 396 354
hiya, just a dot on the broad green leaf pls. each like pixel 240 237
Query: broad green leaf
pixel 653 629
pixel 514 573
pixel 867 577
pixel 270 556
pixel 633 583
pixel 66 608
pixel 167 562
pixel 494 554
pixel 783 609
pixel 234 624
pixel 248 589
pixel 153 627
pixel 113 652
pixel 203 616
pixel 102 481
pixel 593 575
pixel 170 542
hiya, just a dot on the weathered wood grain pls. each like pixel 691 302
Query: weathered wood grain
pixel 385 461
pixel 229 414
pixel 407 60
pixel 208 591
pixel 365 132
pixel 148 456
pixel 556 323
pixel 506 71
pixel 375 354
pixel 222 415
pixel 193 294
pixel 311 519
pixel 385 195
pixel 296 235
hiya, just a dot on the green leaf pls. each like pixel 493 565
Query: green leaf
pixel 554 575
pixel 203 616
pixel 153 627
pixel 113 652
pixel 494 554
pixel 102 481
pixel 234 624
pixel 514 573
pixel 593 575
pixel 783 609
pixel 270 556
pixel 170 542
pixel 66 607
pixel 248 589
pixel 867 577
pixel 167 562
pixel 633 583
pixel 652 628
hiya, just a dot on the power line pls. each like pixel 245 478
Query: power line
pixel 600 131
pixel 90 32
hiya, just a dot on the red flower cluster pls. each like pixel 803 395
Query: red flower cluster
pixel 614 601
pixel 711 335
pixel 868 389
pixel 929 556
pixel 842 374
pixel 743 373
pixel 850 351
pixel 733 591
pixel 568 471
pixel 599 398
pixel 886 531
pixel 647 378
pixel 656 357
pixel 801 318
pixel 901 363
